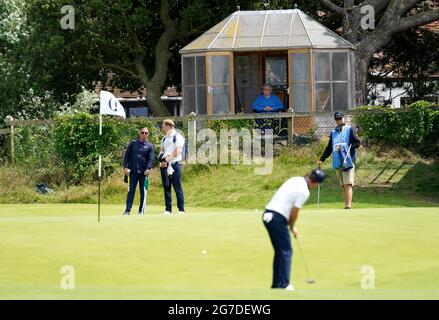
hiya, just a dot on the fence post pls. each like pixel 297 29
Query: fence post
pixel 291 128
pixel 191 152
pixel 12 137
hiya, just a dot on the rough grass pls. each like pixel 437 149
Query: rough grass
pixel 385 178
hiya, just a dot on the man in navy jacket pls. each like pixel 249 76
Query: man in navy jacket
pixel 138 161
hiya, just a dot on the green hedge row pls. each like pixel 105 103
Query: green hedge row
pixel 416 128
pixel 67 151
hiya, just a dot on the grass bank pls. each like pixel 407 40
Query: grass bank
pixel 385 178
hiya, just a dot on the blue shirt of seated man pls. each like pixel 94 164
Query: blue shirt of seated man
pixel 267 102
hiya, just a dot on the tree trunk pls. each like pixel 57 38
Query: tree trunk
pixel 155 103
pixel 361 72
pixel 155 84
pixel 364 53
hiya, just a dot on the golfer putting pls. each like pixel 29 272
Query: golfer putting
pixel 280 214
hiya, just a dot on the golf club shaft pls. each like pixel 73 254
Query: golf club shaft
pixel 303 258
pixel 318 195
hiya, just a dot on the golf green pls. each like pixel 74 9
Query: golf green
pixel 214 254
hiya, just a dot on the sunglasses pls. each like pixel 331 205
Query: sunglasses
pixel 144 132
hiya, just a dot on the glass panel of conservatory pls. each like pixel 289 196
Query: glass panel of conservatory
pixel 201 100
pixel 250 26
pixel 188 71
pixel 220 69
pixel 301 97
pixel 300 66
pixel 247 42
pixel 221 99
pixel 340 96
pixel 340 64
pixel 323 67
pixel 222 43
pixel 201 70
pixel 323 97
pixel 276 71
pixel 189 100
pixel 277 24
pixel 275 41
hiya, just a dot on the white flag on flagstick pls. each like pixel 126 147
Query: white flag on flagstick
pixel 110 105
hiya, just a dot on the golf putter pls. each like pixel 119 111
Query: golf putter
pixel 309 280
pixel 318 196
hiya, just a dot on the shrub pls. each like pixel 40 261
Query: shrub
pixel 34 148
pixel 68 150
pixel 217 125
pixel 415 127
pixel 78 144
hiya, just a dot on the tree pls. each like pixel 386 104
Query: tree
pixel 133 39
pixel 11 76
pixel 409 60
pixel 139 39
pixel 392 17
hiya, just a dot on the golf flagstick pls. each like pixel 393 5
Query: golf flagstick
pixel 108 104
pixel 318 193
pixel 99 168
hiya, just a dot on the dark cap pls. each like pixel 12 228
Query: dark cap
pixel 338 115
pixel 317 176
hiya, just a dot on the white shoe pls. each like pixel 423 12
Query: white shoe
pixel 290 288
pixel 181 212
pixel 166 212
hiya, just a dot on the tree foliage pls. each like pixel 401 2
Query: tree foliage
pixel 138 40
pixel 68 150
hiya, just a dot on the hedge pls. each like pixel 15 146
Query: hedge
pixel 69 148
pixel 415 127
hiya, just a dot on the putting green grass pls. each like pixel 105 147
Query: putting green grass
pixel 160 257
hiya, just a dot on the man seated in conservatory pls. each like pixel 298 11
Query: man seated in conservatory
pixel 267 101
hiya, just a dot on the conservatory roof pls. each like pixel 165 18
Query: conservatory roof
pixel 267 30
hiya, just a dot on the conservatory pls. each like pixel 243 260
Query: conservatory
pixel 309 67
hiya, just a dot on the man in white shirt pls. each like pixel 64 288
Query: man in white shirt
pixel 280 214
pixel 170 159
